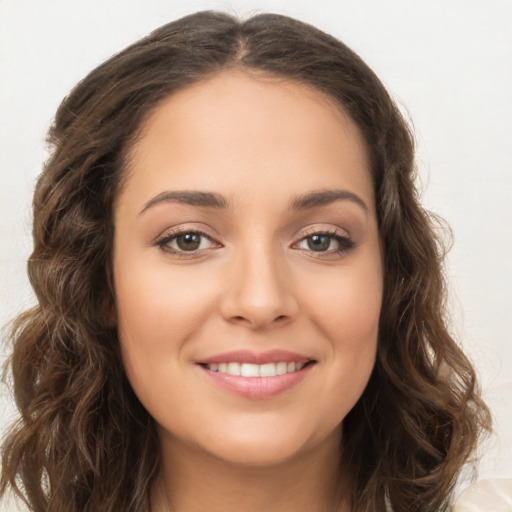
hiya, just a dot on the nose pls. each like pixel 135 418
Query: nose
pixel 260 293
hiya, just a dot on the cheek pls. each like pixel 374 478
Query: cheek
pixel 158 310
pixel 347 310
pixel 354 334
pixel 347 306
pixel 357 318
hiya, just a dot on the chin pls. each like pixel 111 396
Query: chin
pixel 264 445
pixel 256 455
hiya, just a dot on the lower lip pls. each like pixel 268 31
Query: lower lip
pixel 257 387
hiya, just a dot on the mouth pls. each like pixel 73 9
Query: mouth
pixel 251 370
pixel 257 376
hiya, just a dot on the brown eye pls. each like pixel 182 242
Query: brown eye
pixel 188 241
pixel 328 244
pixel 319 243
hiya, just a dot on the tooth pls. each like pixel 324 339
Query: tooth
pixel 255 370
pixel 281 368
pixel 268 370
pixel 234 368
pixel 249 370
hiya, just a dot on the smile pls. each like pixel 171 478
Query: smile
pixel 256 375
pixel 256 370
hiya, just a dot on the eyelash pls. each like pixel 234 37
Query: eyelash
pixel 345 244
pixel 164 242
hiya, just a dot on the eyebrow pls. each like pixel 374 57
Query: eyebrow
pixel 325 197
pixel 212 200
pixel 193 198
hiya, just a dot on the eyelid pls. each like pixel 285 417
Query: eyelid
pixel 344 240
pixel 186 227
pixel 171 234
pixel 327 230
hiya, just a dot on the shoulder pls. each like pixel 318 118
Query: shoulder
pixel 493 495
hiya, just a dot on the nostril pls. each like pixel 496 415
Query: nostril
pixel 242 318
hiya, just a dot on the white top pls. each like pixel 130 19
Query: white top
pixel 494 495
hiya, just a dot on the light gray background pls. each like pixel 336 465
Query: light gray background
pixel 448 63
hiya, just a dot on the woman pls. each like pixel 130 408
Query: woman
pixel 240 298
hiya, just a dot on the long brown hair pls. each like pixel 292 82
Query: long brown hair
pixel 84 442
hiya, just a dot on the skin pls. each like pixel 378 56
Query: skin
pixel 254 284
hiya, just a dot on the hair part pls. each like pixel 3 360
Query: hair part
pixel 84 442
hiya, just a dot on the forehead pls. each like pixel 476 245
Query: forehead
pixel 261 131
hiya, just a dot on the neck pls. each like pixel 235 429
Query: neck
pixel 193 481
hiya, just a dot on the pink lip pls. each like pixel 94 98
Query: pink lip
pixel 256 387
pixel 246 356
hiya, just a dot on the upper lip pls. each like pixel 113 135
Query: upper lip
pixel 247 356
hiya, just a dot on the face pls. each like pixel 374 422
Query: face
pixel 247 269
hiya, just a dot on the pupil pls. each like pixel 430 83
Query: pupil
pixel 318 242
pixel 188 241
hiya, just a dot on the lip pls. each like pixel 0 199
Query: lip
pixel 256 388
pixel 247 356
